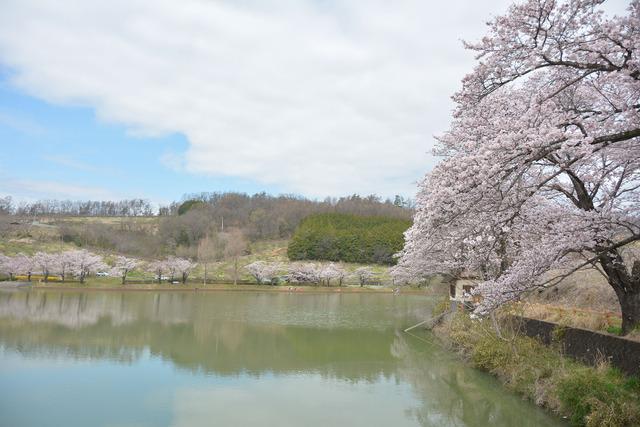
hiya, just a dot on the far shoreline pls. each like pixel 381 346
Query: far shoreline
pixel 229 288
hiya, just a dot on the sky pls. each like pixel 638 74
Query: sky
pixel 155 99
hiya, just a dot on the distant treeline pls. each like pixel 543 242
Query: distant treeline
pixel 235 208
pixel 52 207
pixel 348 238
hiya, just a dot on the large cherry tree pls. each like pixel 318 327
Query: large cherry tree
pixel 48 263
pixel 82 263
pixel 123 266
pixel 540 173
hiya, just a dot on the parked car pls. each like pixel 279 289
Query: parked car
pixel 102 274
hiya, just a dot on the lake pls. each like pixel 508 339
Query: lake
pixel 106 358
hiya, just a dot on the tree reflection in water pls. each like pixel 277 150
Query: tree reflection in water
pixel 350 338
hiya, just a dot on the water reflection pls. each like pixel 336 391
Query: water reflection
pixel 332 357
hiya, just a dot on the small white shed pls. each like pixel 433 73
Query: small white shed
pixel 460 290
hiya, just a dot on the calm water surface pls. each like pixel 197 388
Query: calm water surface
pixel 236 359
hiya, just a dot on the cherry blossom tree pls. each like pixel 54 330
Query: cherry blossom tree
pixel 364 274
pixel 305 272
pixel 172 268
pixel 123 266
pixel 22 263
pixel 47 262
pixel 181 266
pixel 6 266
pixel 158 268
pixel 331 272
pixel 82 263
pixel 541 165
pixel 263 272
pixel 64 263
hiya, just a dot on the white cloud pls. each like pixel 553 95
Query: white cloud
pixel 316 97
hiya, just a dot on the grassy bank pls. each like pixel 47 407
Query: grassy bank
pixel 112 286
pixel 587 396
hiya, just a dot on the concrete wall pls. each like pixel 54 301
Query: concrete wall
pixel 585 345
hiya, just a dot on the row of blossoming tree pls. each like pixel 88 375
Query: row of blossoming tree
pixel 82 263
pixel 306 273
pixel 540 170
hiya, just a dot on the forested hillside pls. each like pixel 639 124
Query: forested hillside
pixel 181 227
pixel 348 238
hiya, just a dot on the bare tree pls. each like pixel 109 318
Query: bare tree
pixel 210 249
pixel 235 246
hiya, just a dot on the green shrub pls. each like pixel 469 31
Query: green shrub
pixel 348 238
pixel 558 333
pixel 190 204
pixel 615 330
pixel 598 397
pixel 632 384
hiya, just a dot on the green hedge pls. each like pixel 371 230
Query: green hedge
pixel 348 238
pixel 190 204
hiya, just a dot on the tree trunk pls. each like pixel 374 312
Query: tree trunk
pixel 626 287
pixel 235 271
pixel 204 281
pixel 124 278
pixel 630 306
pixel 29 276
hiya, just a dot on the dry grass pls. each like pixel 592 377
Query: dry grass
pixel 585 289
pixel 569 316
pixel 583 300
